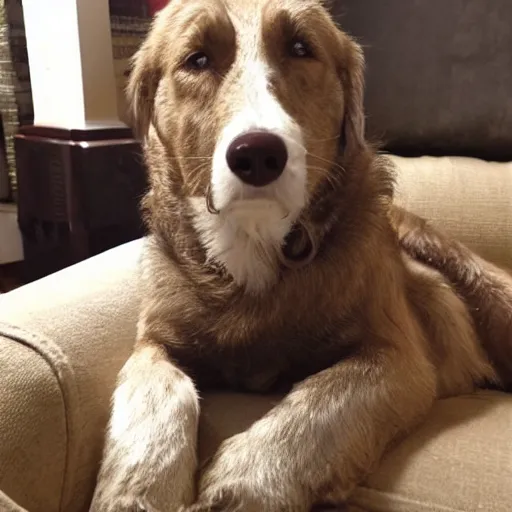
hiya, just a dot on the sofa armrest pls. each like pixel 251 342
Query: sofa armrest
pixel 470 199
pixel 7 505
pixel 63 340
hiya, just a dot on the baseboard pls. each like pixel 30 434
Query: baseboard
pixel 11 247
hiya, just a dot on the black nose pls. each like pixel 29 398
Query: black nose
pixel 257 158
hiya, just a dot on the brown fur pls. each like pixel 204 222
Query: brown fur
pixel 361 332
pixel 485 288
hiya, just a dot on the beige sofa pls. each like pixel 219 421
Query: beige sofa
pixel 64 338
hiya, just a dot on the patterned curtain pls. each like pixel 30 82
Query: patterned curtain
pixel 129 22
pixel 15 93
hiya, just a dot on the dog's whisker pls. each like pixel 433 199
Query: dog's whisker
pixel 200 166
pixel 192 157
pixel 333 180
pixel 196 174
pixel 293 141
pixel 318 168
pixel 328 139
pixel 322 171
pixel 297 143
pixel 309 153
pixel 330 162
pixel 195 185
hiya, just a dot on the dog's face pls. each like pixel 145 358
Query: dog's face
pixel 249 98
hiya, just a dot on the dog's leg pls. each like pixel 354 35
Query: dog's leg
pixel 484 287
pixel 150 453
pixel 324 437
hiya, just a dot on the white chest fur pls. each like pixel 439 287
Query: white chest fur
pixel 244 238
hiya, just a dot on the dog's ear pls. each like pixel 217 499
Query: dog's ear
pixel 141 89
pixel 144 77
pixel 351 71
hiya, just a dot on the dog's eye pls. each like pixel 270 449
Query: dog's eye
pixel 198 61
pixel 300 49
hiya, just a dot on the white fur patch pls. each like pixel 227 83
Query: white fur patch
pixel 253 221
pixel 141 411
pixel 244 238
pixel 261 111
pixel 150 456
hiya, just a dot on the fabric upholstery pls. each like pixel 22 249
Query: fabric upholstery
pixel 460 460
pixel 470 199
pixel 7 505
pixel 27 452
pixel 439 73
pixel 63 340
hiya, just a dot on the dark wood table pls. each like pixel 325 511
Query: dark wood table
pixel 78 194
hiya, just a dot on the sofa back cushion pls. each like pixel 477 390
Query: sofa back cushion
pixel 439 74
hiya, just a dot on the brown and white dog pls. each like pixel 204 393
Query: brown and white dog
pixel 272 265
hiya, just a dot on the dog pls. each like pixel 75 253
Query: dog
pixel 273 264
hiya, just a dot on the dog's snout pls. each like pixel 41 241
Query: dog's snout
pixel 257 158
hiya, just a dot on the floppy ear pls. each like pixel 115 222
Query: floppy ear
pixel 352 78
pixel 145 75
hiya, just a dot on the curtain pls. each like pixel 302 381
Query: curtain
pixel 15 93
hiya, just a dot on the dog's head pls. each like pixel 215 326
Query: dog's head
pixel 252 100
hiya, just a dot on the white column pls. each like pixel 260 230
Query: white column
pixel 71 64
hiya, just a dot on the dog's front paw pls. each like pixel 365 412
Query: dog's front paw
pixel 230 497
pixel 250 474
pixel 224 499
pixel 121 504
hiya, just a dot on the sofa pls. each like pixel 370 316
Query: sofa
pixel 445 119
pixel 64 338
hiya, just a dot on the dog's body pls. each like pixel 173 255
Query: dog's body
pixel 260 281
pixel 485 288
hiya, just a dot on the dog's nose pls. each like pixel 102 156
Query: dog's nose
pixel 257 158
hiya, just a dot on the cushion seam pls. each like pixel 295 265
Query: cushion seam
pixel 64 375
pixel 398 498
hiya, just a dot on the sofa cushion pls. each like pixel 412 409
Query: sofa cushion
pixel 469 198
pixel 459 460
pixel 63 340
pixel 439 73
pixel 7 505
pixel 33 429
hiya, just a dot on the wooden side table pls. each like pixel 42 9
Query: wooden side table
pixel 78 194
